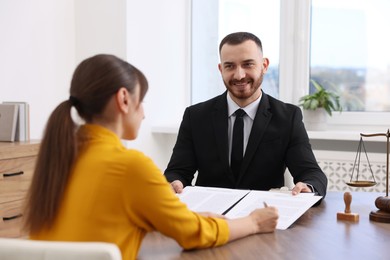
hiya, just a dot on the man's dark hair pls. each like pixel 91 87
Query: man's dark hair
pixel 238 38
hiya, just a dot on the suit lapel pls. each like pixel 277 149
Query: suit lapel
pixel 260 124
pixel 220 125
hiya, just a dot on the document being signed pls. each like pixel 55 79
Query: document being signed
pixel 216 200
pixel 238 203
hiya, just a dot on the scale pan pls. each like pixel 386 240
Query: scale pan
pixel 361 183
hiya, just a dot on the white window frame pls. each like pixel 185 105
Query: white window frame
pixel 294 69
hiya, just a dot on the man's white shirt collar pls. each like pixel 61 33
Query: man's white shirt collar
pixel 250 109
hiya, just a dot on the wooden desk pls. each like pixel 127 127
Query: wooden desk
pixel 316 235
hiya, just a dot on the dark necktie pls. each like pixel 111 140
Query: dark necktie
pixel 237 142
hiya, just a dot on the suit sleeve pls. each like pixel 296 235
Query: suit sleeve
pixel 300 158
pixel 183 164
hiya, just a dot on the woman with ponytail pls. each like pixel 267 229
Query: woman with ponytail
pixel 87 186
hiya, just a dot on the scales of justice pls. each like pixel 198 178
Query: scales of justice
pixel 382 202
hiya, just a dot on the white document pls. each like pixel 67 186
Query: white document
pixel 239 203
pixel 209 199
pixel 290 207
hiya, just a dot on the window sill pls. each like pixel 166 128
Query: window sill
pixel 314 135
pixel 168 129
pixel 343 136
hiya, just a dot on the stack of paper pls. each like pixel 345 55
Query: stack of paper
pixel 22 130
pixel 8 120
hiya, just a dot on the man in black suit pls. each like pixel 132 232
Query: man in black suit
pixel 274 135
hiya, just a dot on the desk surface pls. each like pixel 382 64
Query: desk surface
pixel 315 235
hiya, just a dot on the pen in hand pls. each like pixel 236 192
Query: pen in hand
pixel 265 204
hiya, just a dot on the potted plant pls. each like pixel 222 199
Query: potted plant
pixel 318 105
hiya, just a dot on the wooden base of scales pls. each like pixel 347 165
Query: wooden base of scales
pixel 383 214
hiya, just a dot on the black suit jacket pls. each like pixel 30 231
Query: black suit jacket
pixel 278 139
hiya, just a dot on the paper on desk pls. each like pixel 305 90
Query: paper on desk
pixel 290 207
pixel 209 199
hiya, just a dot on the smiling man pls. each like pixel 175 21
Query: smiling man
pixel 244 138
pixel 242 67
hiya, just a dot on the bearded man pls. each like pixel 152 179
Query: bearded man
pixel 272 135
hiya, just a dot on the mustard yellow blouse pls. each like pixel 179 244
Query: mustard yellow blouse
pixel 117 195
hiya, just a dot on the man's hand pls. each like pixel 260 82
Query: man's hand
pixel 177 186
pixel 300 187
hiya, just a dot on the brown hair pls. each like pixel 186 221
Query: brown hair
pixel 94 82
pixel 238 38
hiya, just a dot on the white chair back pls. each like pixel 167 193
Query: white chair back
pixel 22 249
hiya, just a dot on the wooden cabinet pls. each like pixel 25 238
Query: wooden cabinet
pixel 17 161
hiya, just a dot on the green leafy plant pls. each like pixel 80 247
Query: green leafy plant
pixel 322 98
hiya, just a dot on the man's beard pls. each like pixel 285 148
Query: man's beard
pixel 254 86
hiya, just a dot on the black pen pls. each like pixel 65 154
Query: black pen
pixel 265 204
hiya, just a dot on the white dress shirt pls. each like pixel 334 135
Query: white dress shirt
pixel 250 111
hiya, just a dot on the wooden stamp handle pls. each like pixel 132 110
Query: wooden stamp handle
pixel 347 201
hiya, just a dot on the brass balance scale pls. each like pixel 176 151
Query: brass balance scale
pixel 382 202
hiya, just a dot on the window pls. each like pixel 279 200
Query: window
pixel 213 20
pixel 349 52
pixel 342 44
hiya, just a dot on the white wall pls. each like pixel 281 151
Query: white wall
pixel 158 42
pixel 37 50
pixel 100 27
pixel 42 41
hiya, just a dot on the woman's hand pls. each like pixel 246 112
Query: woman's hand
pixel 262 220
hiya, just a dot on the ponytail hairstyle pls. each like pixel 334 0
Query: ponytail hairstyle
pixel 94 82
